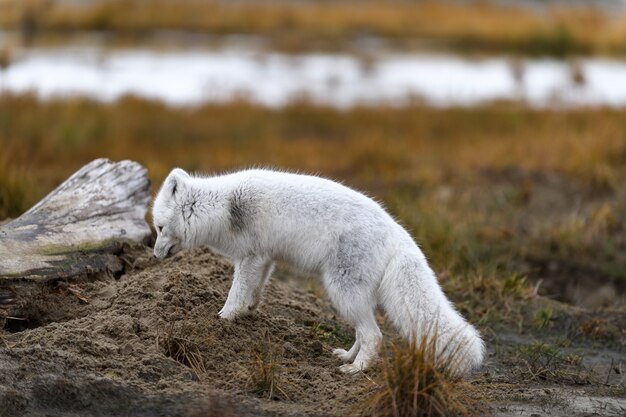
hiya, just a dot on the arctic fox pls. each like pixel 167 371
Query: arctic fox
pixel 256 217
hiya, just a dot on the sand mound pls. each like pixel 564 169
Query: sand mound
pixel 150 343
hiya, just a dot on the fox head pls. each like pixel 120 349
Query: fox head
pixel 167 214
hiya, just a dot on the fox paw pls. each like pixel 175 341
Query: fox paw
pixel 342 354
pixel 350 369
pixel 228 314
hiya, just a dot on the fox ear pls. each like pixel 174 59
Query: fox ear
pixel 175 180
pixel 180 172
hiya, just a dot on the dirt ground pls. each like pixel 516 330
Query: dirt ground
pixel 149 343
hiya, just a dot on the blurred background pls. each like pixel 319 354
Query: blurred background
pixel 495 131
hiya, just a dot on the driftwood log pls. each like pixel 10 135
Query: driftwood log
pixel 78 227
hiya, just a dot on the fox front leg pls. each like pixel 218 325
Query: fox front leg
pixel 245 292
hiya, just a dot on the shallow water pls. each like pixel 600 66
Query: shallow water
pixel 342 80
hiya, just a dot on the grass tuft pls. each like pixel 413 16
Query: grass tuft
pixel 544 318
pixel 264 370
pixel 178 345
pixel 606 330
pixel 415 382
pixel 541 361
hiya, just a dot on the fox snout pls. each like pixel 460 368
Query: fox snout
pixel 164 249
pixel 164 253
pixel 160 254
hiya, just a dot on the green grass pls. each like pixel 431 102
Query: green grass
pixel 544 318
pixel 542 361
pixel 330 333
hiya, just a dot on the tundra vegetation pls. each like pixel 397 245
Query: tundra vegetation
pixel 472 26
pixel 521 213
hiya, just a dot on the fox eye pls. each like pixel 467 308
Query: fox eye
pixel 160 228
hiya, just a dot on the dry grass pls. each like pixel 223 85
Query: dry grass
pixel 494 195
pixel 14 188
pixel 606 330
pixel 543 361
pixel 264 370
pixel 477 26
pixel 177 343
pixel 416 382
pixel 416 146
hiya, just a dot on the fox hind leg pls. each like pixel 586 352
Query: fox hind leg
pixel 356 304
pixel 369 337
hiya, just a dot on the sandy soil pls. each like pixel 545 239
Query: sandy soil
pixel 108 346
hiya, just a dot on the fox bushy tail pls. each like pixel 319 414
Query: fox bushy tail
pixel 415 303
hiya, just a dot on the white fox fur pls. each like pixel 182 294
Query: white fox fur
pixel 365 258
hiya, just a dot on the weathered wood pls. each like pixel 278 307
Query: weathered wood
pixel 78 227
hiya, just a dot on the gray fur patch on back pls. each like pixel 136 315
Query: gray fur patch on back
pixel 238 210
